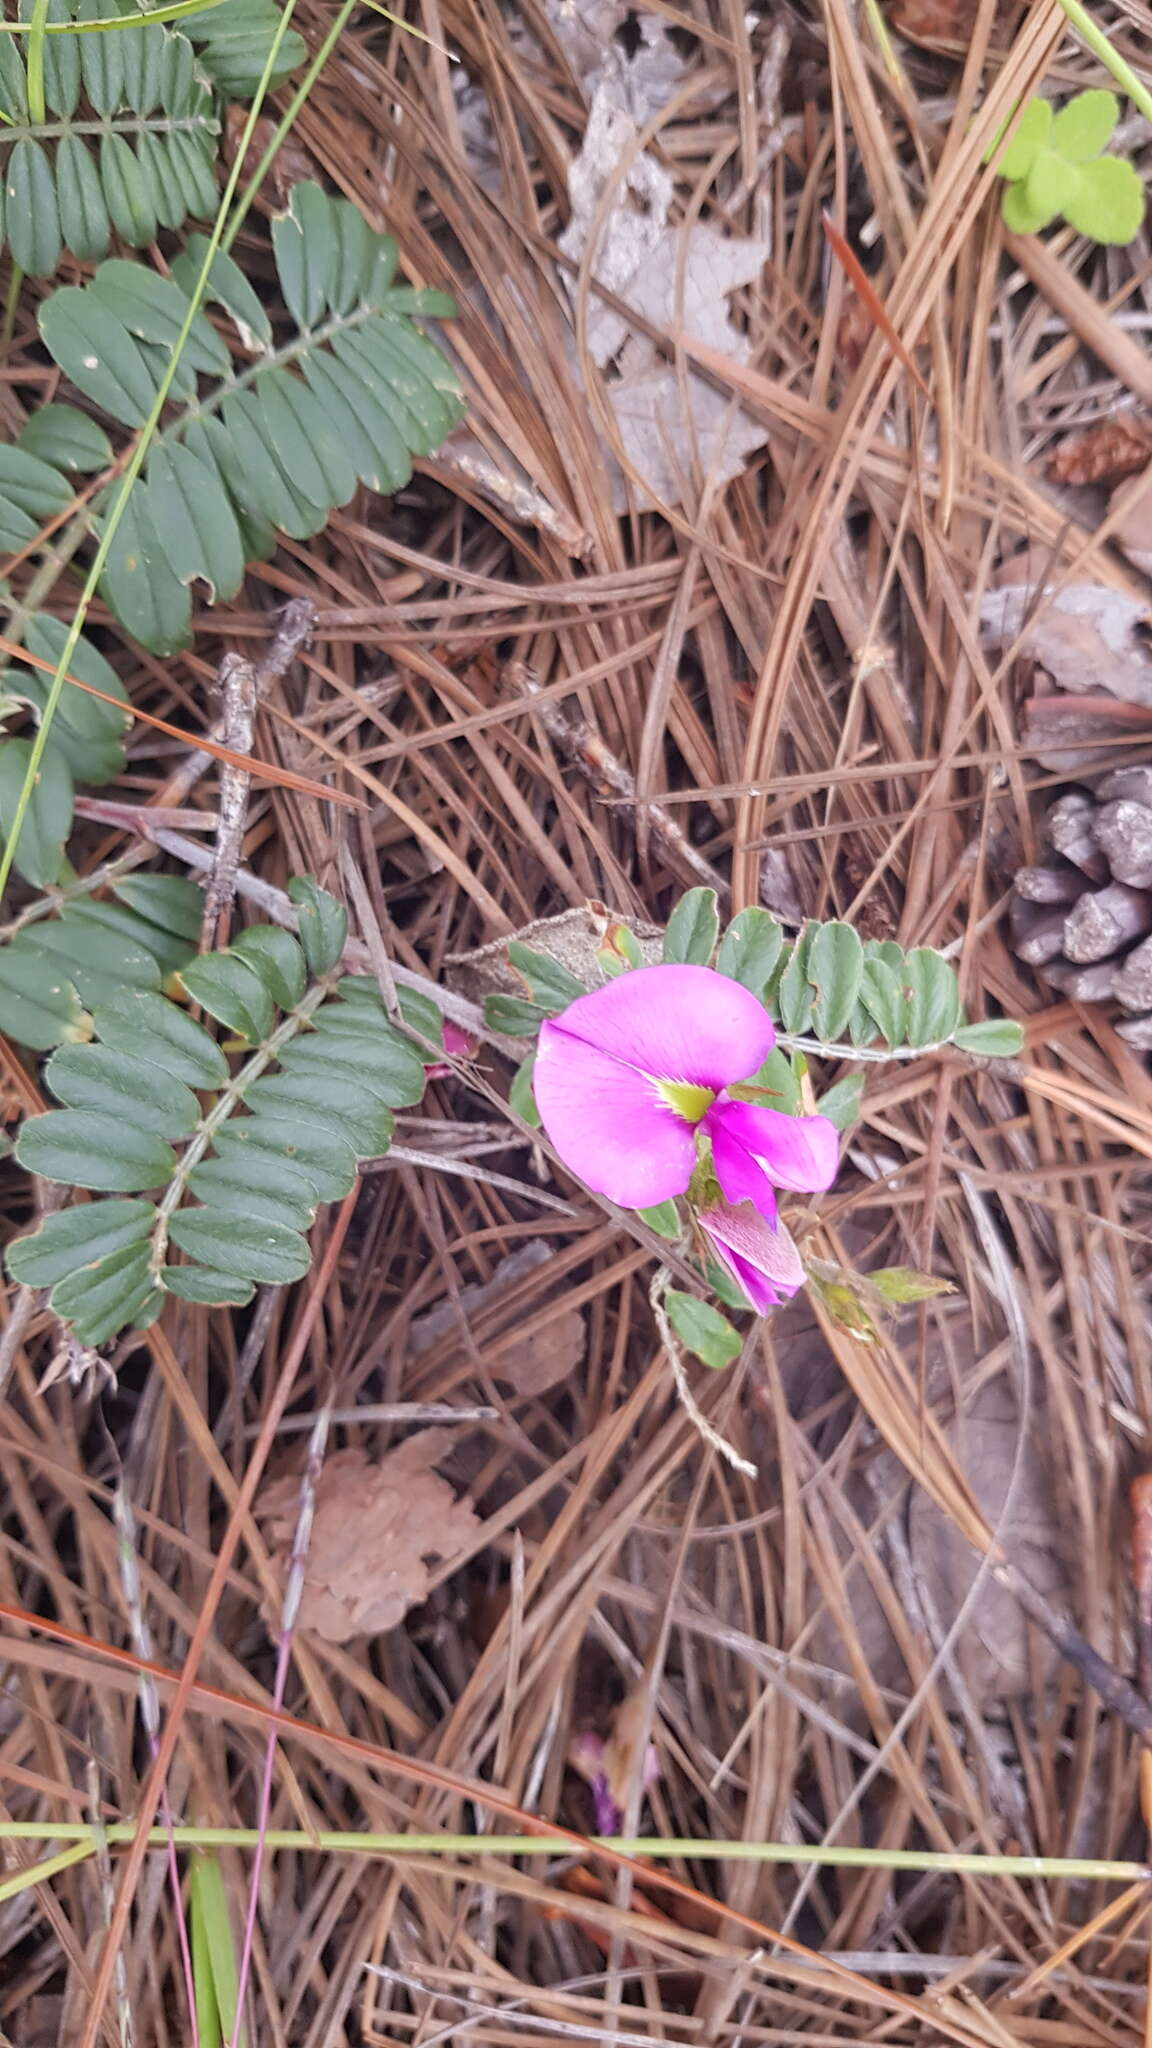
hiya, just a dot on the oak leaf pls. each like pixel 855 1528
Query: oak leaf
pixel 377 1530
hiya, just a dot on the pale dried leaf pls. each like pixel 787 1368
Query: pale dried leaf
pixel 587 32
pixel 574 938
pixel 376 1531
pixel 529 1365
pixel 678 282
pixel 1087 636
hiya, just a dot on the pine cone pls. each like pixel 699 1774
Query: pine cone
pixel 1084 919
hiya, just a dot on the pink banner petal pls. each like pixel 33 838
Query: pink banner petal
pixel 676 1023
pixel 607 1122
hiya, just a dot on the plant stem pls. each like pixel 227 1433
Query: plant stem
pixel 831 1856
pixel 1113 62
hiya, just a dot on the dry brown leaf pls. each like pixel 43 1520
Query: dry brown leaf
pixel 376 1530
pixel 529 1365
pixel 997 1652
pixel 1087 636
pixel 1104 453
pixel 947 24
pixel 678 280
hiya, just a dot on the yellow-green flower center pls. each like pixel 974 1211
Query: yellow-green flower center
pixel 686 1099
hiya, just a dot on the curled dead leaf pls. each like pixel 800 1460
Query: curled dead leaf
pixel 1104 453
pixel 377 1530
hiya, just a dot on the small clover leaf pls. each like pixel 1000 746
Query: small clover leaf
pixel 1109 202
pixel 1051 186
pixel 1083 128
pixel 1033 133
pixel 1019 215
pixel 1054 167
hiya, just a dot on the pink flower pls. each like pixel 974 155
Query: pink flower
pixel 462 1046
pixel 628 1076
pixel 600 1765
pixel 759 1255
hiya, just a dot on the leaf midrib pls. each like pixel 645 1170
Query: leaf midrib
pixel 112 124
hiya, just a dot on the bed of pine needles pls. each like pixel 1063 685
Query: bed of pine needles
pixel 783 682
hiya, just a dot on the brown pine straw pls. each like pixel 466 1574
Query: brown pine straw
pixel 794 666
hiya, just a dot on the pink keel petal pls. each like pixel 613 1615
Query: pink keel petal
pixel 763 1261
pixel 677 1023
pixel 797 1152
pixel 608 1124
pixel 759 1294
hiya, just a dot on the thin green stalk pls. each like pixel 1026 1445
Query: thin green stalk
pixel 39 1873
pixel 136 462
pixel 1113 62
pixel 658 1848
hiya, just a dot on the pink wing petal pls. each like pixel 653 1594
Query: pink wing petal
pixel 608 1124
pixel 797 1152
pixel 741 1177
pixel 677 1023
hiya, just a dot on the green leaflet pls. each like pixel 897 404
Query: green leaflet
pixel 549 984
pixel 750 949
pixel 323 924
pixel 233 42
pixel 48 819
pixel 89 733
pixel 836 971
pixel 261 1144
pixel 702 1330
pixel 693 928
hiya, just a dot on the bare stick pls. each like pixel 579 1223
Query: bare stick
pixel 241 685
